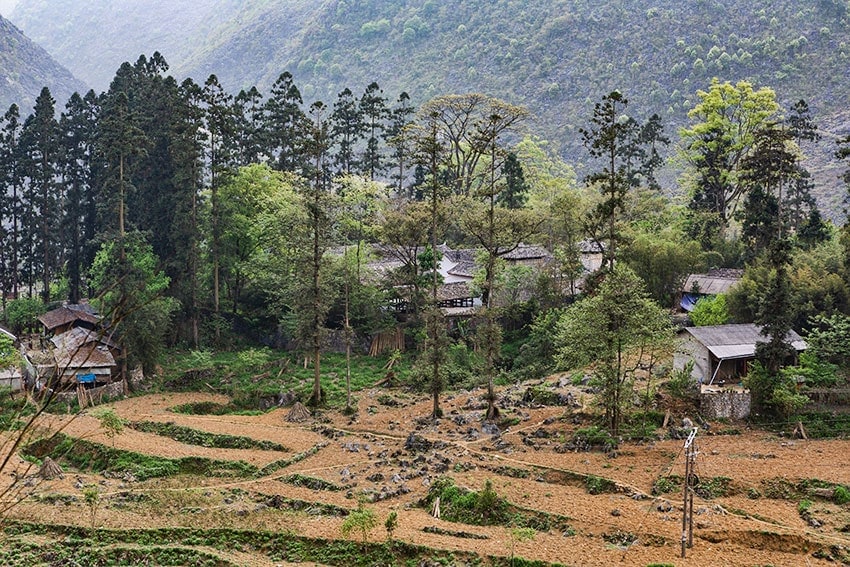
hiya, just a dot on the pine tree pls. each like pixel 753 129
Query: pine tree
pixel 77 126
pixel 40 144
pixel 220 125
pixel 398 137
pixel 12 174
pixel 250 137
pixel 285 126
pixel 373 106
pixel 347 129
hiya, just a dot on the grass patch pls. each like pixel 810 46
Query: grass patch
pixel 191 436
pixel 253 377
pixel 487 508
pixel 667 484
pixel 714 487
pixel 85 455
pixel 212 408
pixel 277 546
pixel 311 482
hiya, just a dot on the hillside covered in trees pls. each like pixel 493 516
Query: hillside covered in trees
pixel 554 57
pixel 26 68
pixel 193 216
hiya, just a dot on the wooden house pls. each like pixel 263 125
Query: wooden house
pixel 722 354
pixel 83 356
pixel 69 316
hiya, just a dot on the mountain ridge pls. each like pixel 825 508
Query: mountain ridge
pixel 25 68
pixel 556 57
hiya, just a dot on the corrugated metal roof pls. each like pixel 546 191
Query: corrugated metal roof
pixel 87 356
pixel 736 341
pixel 78 336
pixel 713 282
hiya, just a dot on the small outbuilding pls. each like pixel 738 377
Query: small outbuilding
pixel 722 353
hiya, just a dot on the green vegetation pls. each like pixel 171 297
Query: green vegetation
pixel 262 375
pixel 85 455
pixel 173 546
pixel 202 438
pixel 486 508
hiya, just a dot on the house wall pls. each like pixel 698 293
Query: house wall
pixel 689 349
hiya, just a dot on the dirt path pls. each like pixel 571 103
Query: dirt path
pixel 369 454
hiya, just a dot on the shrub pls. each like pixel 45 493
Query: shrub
pixel 841 495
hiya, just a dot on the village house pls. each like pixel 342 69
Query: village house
pixel 722 354
pixel 79 351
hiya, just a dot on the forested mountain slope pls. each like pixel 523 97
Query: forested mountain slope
pixel 25 68
pixel 555 56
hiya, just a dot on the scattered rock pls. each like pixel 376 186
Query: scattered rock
pixel 664 506
pixel 417 443
pixel 490 428
pixel 616 512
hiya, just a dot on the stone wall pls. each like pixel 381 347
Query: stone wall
pixel 725 403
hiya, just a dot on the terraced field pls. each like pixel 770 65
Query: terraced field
pixel 201 489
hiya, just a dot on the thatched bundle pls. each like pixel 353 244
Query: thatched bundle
pixel 49 469
pixel 298 413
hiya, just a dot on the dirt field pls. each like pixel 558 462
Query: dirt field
pixel 749 525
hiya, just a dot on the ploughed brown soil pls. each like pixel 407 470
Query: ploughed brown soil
pixel 368 453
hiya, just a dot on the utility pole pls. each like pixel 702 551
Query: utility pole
pixel 688 492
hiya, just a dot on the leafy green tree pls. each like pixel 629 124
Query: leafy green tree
pixel 405 232
pixel 710 311
pixel 22 314
pixel 9 355
pixel 361 520
pixel 619 330
pixel 663 261
pixel 724 125
pixel 130 287
pixel 258 213
pixel 110 422
pixel 464 125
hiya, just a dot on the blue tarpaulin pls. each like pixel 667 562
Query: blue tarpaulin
pixel 85 378
pixel 689 300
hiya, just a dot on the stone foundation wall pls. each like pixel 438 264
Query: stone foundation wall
pixel 725 403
